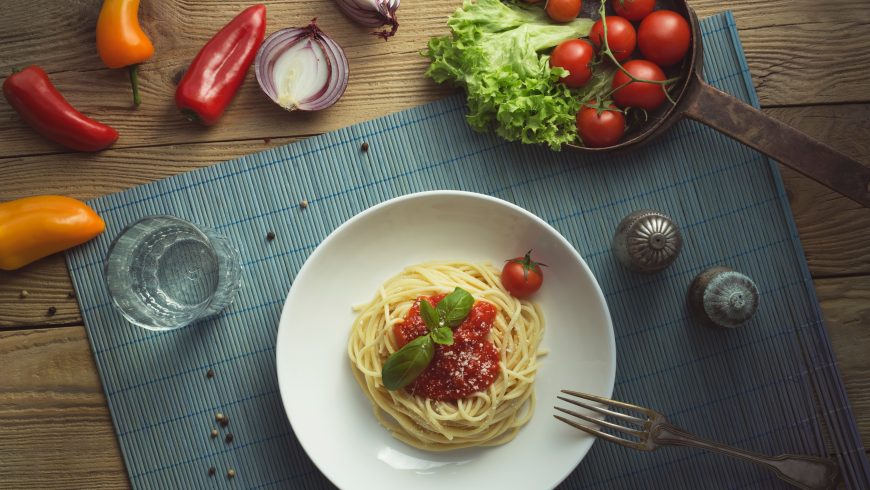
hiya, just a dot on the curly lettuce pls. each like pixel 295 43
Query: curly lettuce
pixel 493 53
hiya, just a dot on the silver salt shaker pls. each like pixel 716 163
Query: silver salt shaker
pixel 722 297
pixel 647 241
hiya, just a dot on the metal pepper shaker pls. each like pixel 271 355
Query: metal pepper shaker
pixel 647 241
pixel 722 297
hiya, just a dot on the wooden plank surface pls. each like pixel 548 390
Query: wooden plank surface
pixel 385 77
pixel 834 231
pixel 809 62
pixel 57 432
pixel 51 400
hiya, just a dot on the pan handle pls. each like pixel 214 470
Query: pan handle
pixel 779 141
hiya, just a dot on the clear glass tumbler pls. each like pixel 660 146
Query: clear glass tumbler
pixel 165 273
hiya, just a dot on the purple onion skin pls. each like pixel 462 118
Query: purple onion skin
pixel 372 13
pixel 279 41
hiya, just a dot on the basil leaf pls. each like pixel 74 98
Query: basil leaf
pixel 408 362
pixel 429 316
pixel 455 307
pixel 443 335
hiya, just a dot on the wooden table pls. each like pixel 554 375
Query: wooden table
pixel 809 65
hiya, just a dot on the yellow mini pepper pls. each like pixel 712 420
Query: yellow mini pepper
pixel 35 227
pixel 121 41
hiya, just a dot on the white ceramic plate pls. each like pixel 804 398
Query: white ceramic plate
pixel 332 417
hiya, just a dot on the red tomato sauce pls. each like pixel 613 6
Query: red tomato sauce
pixel 456 371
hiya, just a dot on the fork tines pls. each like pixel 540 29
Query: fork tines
pixel 642 423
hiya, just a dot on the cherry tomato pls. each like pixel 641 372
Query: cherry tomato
pixel 563 10
pixel 633 10
pixel 663 37
pixel 639 94
pixel 522 276
pixel 599 128
pixel 621 36
pixel 574 55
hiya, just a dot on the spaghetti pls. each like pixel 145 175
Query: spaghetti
pixel 489 417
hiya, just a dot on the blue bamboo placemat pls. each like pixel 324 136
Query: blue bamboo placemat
pixel 753 387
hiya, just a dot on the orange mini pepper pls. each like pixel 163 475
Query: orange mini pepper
pixel 35 227
pixel 121 41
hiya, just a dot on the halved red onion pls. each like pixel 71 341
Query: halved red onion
pixel 372 13
pixel 302 68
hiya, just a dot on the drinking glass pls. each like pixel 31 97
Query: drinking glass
pixel 164 273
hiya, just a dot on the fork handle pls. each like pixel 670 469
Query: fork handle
pixel 807 472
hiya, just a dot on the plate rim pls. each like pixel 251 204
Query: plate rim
pixel 599 296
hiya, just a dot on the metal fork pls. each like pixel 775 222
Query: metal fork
pixel 652 430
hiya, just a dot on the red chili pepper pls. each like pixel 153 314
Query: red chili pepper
pixel 214 76
pixel 44 109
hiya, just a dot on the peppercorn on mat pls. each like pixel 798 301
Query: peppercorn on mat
pixel 753 387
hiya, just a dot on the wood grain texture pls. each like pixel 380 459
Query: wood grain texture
pixel 85 175
pixel 385 77
pixel 807 69
pixel 780 13
pixel 27 294
pixel 57 432
pixel 834 231
pixel 47 281
pixel 57 429
pixel 846 306
pixel 51 400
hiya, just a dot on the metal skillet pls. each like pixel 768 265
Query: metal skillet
pixel 696 99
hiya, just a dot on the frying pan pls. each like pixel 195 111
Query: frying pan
pixel 696 99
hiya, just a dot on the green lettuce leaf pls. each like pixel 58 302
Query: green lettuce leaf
pixel 493 53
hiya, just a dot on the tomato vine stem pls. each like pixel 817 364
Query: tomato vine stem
pixel 606 51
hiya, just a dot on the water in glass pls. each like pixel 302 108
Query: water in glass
pixel 164 273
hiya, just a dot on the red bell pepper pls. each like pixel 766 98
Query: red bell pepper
pixel 214 76
pixel 44 109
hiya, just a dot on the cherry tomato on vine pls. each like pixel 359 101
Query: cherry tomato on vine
pixel 599 126
pixel 643 95
pixel 522 276
pixel 621 36
pixel 633 10
pixel 563 10
pixel 574 55
pixel 663 37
